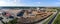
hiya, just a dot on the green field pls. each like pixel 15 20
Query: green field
pixel 57 20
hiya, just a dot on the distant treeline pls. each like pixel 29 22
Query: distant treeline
pixel 21 7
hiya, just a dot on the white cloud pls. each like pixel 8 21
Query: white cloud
pixel 2 3
pixel 38 2
pixel 57 2
pixel 10 3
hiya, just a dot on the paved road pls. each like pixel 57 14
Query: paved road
pixel 45 19
pixel 50 22
pixel 1 22
pixel 4 19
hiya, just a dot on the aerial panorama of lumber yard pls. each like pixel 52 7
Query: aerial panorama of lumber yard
pixel 29 15
pixel 29 11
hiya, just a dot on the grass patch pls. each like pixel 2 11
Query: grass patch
pixel 57 20
pixel 14 21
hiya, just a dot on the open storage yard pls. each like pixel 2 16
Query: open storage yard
pixel 26 16
pixel 35 16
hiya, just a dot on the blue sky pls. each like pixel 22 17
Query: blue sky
pixel 29 2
